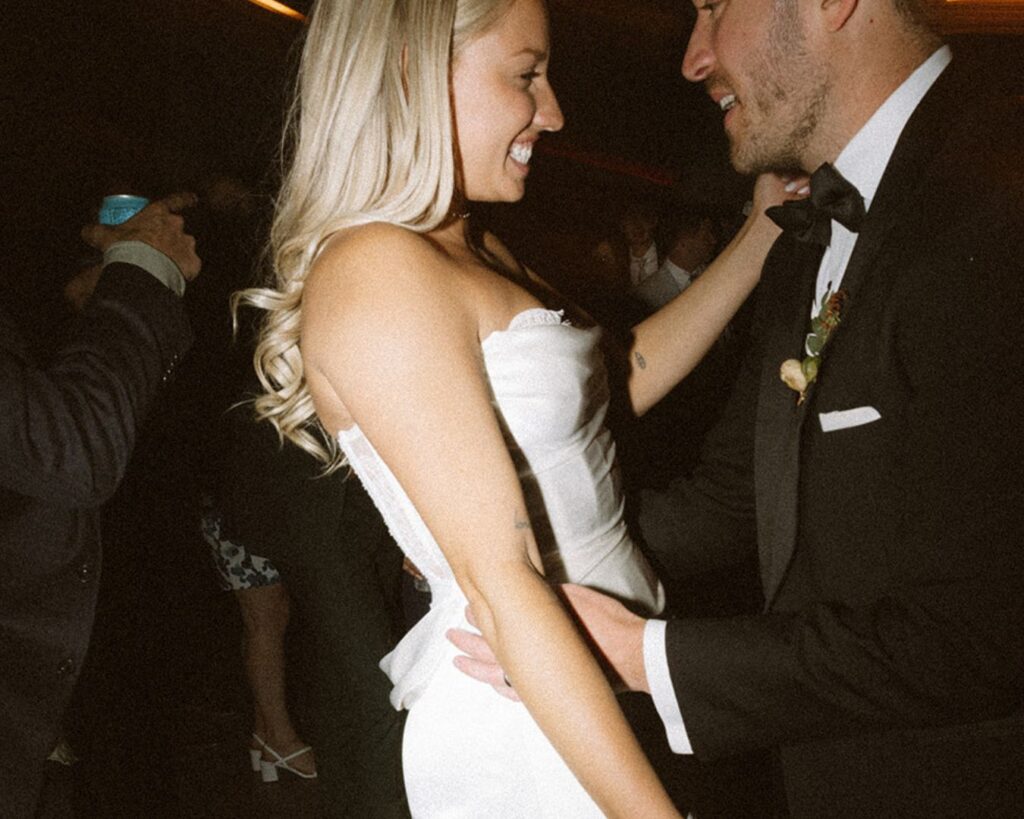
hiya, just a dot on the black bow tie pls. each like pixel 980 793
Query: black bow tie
pixel 810 219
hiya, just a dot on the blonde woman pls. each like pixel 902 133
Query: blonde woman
pixel 435 366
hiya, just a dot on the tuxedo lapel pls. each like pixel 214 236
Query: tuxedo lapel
pixel 792 267
pixel 898 189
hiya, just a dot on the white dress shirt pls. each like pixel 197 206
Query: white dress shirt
pixel 642 267
pixel 862 162
pixel 656 291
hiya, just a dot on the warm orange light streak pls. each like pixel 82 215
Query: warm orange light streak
pixel 279 8
pixel 984 16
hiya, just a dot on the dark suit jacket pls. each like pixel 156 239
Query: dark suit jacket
pixel 66 433
pixel 889 663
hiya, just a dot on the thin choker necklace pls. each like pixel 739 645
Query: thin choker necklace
pixel 458 208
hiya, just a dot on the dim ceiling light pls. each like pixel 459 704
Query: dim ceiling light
pixel 279 8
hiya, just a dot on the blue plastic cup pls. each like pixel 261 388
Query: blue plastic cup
pixel 120 208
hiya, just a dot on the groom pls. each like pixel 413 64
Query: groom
pixel 880 487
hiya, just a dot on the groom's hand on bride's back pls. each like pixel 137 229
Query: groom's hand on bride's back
pixel 478 661
pixel 615 634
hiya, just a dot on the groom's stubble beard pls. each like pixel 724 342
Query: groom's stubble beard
pixel 787 95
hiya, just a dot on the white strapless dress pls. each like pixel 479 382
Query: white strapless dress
pixel 468 752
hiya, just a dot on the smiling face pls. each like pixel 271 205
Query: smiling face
pixel 503 102
pixel 755 61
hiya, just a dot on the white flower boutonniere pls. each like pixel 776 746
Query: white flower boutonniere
pixel 798 375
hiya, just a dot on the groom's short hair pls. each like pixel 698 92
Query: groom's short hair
pixel 920 14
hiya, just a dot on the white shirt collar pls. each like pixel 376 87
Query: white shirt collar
pixel 681 275
pixel 864 158
pixel 643 266
pixel 650 254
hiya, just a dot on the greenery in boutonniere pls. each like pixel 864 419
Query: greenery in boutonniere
pixel 798 375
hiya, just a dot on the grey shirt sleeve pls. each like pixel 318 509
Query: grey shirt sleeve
pixel 157 264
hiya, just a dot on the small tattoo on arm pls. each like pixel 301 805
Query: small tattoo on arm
pixel 521 523
pixel 641 362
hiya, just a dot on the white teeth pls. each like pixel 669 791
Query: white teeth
pixel 521 153
pixel 727 102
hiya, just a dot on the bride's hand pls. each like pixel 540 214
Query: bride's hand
pixel 774 189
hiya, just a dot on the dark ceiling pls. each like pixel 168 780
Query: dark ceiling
pixel 181 87
pixel 205 77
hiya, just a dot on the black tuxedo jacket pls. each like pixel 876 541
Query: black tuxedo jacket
pixel 888 665
pixel 66 433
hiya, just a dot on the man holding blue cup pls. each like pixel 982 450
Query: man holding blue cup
pixel 66 433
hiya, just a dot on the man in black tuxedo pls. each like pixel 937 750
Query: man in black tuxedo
pixel 66 433
pixel 883 495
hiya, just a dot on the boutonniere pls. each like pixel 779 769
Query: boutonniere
pixel 798 375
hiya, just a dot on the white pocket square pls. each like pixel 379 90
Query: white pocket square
pixel 844 419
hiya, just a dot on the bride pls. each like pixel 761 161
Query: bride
pixel 471 409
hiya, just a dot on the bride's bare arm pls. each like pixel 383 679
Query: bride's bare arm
pixel 389 333
pixel 669 344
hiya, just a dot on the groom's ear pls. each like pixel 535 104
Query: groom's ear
pixel 835 14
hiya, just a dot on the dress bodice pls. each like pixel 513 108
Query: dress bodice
pixel 549 391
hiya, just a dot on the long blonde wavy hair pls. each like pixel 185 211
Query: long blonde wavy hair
pixel 369 138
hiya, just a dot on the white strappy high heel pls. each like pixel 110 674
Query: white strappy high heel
pixel 256 754
pixel 268 770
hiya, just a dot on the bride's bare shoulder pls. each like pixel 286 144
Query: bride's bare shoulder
pixel 377 271
pixel 373 254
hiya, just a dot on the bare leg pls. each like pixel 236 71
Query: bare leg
pixel 265 612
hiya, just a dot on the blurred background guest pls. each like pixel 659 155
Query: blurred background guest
pixel 630 255
pixel 691 242
pixel 265 607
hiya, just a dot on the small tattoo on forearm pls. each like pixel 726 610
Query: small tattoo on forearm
pixel 641 362
pixel 521 523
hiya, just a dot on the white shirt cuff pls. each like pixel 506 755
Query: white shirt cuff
pixel 660 682
pixel 157 264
